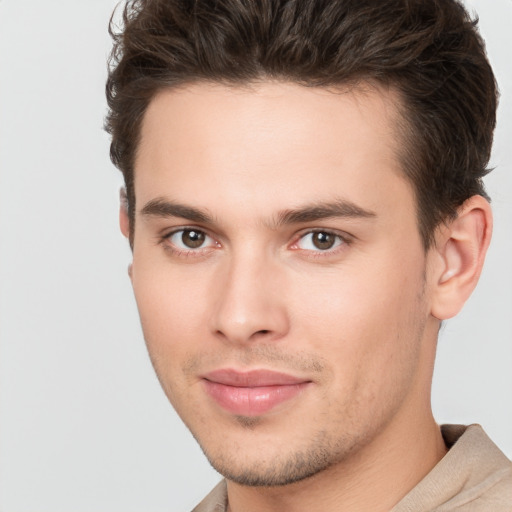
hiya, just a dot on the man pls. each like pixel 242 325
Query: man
pixel 305 207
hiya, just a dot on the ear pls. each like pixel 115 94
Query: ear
pixel 460 249
pixel 124 220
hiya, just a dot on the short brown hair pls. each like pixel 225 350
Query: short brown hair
pixel 428 50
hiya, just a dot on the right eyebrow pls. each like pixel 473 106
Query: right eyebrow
pixel 164 208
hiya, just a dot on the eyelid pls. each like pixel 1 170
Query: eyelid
pixel 345 238
pixel 165 239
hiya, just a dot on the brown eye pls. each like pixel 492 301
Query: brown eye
pixel 323 241
pixel 189 239
pixel 192 238
pixel 318 241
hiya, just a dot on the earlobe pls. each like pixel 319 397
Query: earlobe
pixel 124 220
pixel 461 246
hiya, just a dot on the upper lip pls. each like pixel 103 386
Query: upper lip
pixel 252 378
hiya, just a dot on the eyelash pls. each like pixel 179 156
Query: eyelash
pixel 168 246
pixel 344 240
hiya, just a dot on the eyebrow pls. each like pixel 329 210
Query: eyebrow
pixel 160 207
pixel 164 208
pixel 318 211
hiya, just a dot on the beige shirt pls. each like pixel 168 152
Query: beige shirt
pixel 474 476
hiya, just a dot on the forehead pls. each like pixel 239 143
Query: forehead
pixel 270 145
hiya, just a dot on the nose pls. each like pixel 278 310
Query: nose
pixel 250 303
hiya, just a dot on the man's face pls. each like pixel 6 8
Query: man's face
pixel 280 276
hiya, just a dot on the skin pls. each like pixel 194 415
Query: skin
pixel 357 321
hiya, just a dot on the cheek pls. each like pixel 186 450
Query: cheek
pixel 171 309
pixel 347 303
pixel 170 314
pixel 367 325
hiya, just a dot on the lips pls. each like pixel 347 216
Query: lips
pixel 252 393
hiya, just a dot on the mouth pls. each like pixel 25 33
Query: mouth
pixel 252 393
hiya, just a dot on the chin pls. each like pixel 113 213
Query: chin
pixel 253 467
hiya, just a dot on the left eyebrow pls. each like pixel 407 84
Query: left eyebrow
pixel 318 211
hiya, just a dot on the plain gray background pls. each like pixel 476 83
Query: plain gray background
pixel 84 426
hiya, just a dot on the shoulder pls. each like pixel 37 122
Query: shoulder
pixel 474 476
pixel 215 501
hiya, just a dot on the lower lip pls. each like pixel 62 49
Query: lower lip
pixel 252 401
